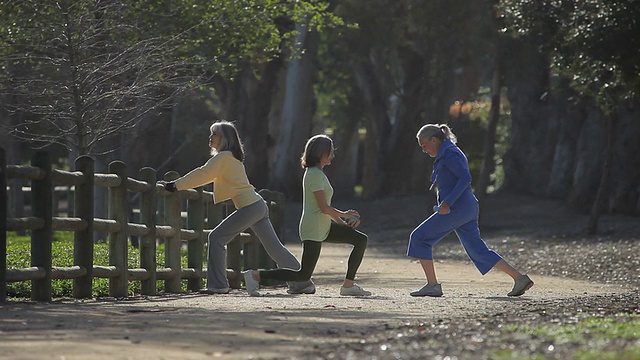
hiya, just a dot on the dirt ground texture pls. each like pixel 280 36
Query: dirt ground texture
pixel 573 274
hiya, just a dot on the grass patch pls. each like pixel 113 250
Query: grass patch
pixel 19 257
pixel 615 337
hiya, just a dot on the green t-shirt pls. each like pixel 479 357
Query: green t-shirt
pixel 314 225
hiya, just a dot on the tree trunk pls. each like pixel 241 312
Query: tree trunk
pixel 399 140
pixel 376 127
pixel 240 106
pixel 531 142
pixel 297 113
pixel 558 142
pixel 343 171
pixel 256 128
pixel 488 164
pixel 14 155
pixel 596 208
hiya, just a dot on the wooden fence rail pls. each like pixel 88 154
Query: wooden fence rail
pixel 155 204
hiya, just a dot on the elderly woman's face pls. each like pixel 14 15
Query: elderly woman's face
pixel 214 138
pixel 429 146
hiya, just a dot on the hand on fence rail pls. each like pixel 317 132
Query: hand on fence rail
pixel 170 186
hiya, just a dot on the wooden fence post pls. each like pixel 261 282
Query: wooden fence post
pixel 148 242
pixel 174 244
pixel 83 239
pixel 119 228
pixel 195 248
pixel 118 210
pixel 71 208
pixel 42 207
pixel 3 225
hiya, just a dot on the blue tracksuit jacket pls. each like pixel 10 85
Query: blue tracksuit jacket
pixel 452 177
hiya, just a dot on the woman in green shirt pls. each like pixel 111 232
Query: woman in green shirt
pixel 316 225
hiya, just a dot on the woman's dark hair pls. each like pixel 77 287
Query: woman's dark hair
pixel 317 147
pixel 229 138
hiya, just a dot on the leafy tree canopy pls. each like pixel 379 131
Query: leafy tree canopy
pixel 80 71
pixel 594 42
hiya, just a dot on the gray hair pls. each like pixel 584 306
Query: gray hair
pixel 229 139
pixel 440 131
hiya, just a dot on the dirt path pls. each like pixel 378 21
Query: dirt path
pixel 236 326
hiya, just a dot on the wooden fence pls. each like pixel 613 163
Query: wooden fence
pixel 155 203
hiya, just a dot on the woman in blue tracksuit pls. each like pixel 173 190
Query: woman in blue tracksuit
pixel 457 211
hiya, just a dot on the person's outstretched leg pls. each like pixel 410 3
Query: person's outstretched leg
pixel 265 232
pixel 506 268
pixel 485 259
pixel 522 281
pixel 310 254
pixel 482 257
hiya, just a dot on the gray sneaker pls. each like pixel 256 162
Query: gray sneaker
pixel 305 287
pixel 522 284
pixel 213 291
pixel 355 290
pixel 429 290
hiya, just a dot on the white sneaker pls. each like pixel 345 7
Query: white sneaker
pixel 355 290
pixel 251 284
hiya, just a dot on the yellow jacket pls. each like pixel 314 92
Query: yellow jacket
pixel 229 179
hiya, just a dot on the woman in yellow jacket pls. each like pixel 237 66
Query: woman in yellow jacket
pixel 226 170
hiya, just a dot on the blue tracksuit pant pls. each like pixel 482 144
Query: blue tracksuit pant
pixel 463 219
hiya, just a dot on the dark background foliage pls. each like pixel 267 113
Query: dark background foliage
pixel 542 95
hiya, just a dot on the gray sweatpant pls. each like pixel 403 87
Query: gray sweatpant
pixel 256 217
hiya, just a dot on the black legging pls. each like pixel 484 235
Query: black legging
pixel 339 234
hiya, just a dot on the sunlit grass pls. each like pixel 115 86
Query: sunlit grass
pixel 590 338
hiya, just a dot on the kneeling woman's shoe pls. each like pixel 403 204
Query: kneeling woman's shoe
pixel 307 287
pixel 429 290
pixel 355 290
pixel 251 284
